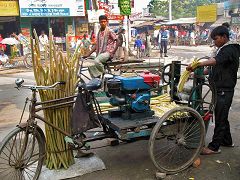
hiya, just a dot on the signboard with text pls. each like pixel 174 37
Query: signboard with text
pixel 9 8
pixel 108 13
pixel 207 13
pixel 51 8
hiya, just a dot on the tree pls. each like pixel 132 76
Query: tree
pixel 180 8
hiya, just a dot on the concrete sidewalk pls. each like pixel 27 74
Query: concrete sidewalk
pixel 13 70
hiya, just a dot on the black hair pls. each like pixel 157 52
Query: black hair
pixel 226 24
pixel 220 31
pixel 103 17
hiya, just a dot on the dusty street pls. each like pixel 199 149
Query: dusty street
pixel 131 161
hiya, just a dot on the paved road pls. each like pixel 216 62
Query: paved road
pixel 131 161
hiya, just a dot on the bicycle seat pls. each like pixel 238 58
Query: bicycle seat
pixel 92 85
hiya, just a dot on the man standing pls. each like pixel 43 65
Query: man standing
pixel 106 46
pixel 43 41
pixel 148 44
pixel 85 43
pixel 223 76
pixel 3 58
pixel 163 41
pixel 122 45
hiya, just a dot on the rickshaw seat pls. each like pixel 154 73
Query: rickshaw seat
pixel 93 84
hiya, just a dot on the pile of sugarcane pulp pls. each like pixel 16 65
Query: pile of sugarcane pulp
pixel 49 68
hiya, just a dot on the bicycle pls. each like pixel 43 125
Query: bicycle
pixel 22 152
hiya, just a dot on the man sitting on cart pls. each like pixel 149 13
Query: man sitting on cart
pixel 106 46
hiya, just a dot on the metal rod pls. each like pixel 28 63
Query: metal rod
pixel 60 105
pixel 52 125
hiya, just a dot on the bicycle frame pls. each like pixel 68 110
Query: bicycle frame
pixel 60 103
pixel 34 108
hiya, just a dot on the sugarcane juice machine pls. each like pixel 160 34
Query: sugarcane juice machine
pixel 192 91
pixel 132 95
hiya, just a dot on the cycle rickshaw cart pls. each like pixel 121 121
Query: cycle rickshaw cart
pixel 175 139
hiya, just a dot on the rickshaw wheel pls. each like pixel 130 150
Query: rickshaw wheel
pixel 205 99
pixel 177 139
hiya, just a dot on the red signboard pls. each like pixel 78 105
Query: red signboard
pixel 107 11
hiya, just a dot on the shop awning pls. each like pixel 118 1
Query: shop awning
pixel 220 20
pixel 7 19
pixel 148 23
pixel 179 21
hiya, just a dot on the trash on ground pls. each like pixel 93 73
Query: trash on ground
pixel 196 163
pixel 160 175
pixel 219 162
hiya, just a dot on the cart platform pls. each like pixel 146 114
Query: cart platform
pixel 119 124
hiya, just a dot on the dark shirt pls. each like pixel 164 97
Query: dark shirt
pixel 224 73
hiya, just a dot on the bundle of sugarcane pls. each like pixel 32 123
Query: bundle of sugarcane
pixel 162 108
pixel 184 77
pixel 57 67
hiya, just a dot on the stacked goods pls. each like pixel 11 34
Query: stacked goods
pixel 162 104
pixel 56 68
pixel 184 77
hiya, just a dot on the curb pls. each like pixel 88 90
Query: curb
pixel 13 71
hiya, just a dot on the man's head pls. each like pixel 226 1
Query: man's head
pixel 103 20
pixel 123 31
pixel 42 32
pixel 226 24
pixel 85 36
pixel 163 28
pixel 1 52
pixel 220 35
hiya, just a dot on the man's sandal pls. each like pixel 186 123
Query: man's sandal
pixel 228 145
pixel 207 151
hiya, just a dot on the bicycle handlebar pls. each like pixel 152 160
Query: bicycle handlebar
pixel 20 81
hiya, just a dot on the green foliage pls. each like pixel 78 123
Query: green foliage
pixel 180 8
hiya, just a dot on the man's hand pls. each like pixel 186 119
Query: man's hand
pixel 111 55
pixel 189 68
pixel 85 56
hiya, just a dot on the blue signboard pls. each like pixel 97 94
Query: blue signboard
pixel 51 8
pixel 45 12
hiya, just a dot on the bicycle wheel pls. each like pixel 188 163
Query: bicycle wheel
pixel 22 155
pixel 28 60
pixel 177 139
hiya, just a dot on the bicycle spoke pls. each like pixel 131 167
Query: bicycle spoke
pixel 4 173
pixel 188 127
pixel 192 133
pixel 28 174
pixel 169 152
pixel 30 170
pixel 15 158
pixel 12 148
pixel 195 126
pixel 31 163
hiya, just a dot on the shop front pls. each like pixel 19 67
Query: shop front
pixel 56 14
pixel 9 20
